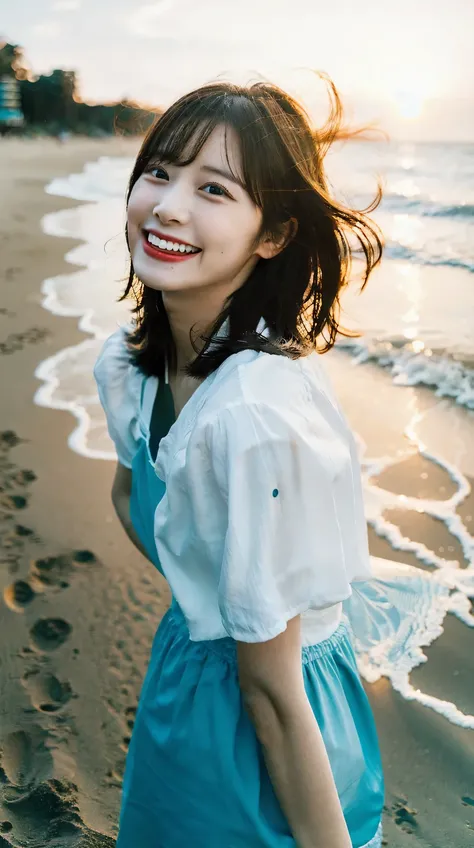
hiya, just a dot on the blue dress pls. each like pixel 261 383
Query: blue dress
pixel 195 774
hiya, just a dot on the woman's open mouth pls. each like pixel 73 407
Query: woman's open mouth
pixel 167 251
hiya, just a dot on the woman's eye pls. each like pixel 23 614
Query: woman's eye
pixel 219 188
pixel 155 172
pixel 159 173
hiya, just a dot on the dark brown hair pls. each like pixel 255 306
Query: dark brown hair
pixel 297 291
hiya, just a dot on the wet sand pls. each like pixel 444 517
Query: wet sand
pixel 80 605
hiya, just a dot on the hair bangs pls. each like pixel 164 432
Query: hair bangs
pixel 181 132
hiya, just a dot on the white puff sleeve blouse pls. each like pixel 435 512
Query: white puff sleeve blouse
pixel 119 385
pixel 263 517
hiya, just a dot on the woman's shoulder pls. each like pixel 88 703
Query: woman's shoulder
pixel 285 385
pixel 119 385
pixel 113 354
pixel 114 367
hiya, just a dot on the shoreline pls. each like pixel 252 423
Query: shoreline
pixel 70 676
pixel 71 685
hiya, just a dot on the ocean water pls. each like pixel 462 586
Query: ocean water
pixel 417 313
pixel 417 320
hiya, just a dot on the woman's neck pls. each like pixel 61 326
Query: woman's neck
pixel 198 313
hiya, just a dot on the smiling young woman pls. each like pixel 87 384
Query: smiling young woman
pixel 238 477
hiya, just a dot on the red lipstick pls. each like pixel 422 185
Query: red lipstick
pixel 165 255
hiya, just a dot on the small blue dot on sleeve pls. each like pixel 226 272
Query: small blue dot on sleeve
pixel 275 493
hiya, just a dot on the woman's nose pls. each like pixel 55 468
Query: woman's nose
pixel 173 206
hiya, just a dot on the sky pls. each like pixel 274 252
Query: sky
pixel 406 65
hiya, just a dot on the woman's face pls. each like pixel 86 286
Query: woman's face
pixel 201 206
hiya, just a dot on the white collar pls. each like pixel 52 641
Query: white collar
pixel 223 330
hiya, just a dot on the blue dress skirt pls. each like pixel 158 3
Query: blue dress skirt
pixel 195 775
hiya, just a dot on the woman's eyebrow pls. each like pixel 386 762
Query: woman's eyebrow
pixel 221 173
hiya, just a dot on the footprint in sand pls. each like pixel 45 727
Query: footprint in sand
pixel 13 501
pixel 49 573
pixel 84 556
pixel 9 439
pixel 12 538
pixel 38 807
pixel 130 714
pixel 17 341
pixel 24 477
pixel 18 595
pixel 48 634
pixel 125 743
pixel 47 814
pixel 24 532
pixel 47 694
pixel 53 572
pixel 25 762
pixel 11 272
pixel 403 816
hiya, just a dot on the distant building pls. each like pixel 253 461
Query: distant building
pixel 11 114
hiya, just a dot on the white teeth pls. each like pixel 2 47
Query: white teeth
pixel 172 246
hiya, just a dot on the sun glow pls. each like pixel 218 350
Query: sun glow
pixel 411 90
pixel 409 103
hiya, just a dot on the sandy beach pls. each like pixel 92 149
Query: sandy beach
pixel 79 605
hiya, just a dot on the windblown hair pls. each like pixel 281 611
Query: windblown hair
pixel 296 292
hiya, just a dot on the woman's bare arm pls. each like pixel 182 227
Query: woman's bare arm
pixel 121 491
pixel 271 681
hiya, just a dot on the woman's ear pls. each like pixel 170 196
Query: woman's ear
pixel 271 247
